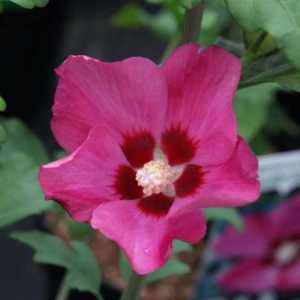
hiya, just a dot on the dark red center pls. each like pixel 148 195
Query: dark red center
pixel 138 148
pixel 177 145
pixel 271 257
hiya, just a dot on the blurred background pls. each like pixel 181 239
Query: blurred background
pixel 34 42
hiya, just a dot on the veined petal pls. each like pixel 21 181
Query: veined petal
pixel 186 220
pixel 146 239
pixel 249 276
pixel 253 241
pixel 143 238
pixel 233 183
pixel 201 86
pixel 123 96
pixel 289 278
pixel 84 179
pixel 285 218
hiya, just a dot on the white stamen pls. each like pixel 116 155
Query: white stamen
pixel 287 252
pixel 156 176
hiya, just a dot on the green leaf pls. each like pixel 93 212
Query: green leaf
pixel 244 13
pixel 172 267
pixel 41 3
pixel 183 3
pixel 29 4
pixel 229 215
pixel 251 106
pixel 163 23
pixel 179 246
pixel 2 134
pixel 130 16
pixel 125 267
pixel 2 104
pixel 82 267
pixel 21 139
pixel 188 3
pixel 20 194
pixel 280 18
pixel 79 231
pixel 267 45
pixel 48 248
pixel 83 272
pixel 289 81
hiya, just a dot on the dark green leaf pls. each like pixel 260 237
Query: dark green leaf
pixel 179 246
pixel 21 139
pixel 267 44
pixel 82 267
pixel 2 104
pixel 48 248
pixel 280 18
pixel 229 215
pixel 2 134
pixel 41 3
pixel 79 231
pixel 20 194
pixel 131 16
pixel 83 272
pixel 172 267
pixel 162 23
pixel 124 267
pixel 251 106
pixel 244 13
pixel 29 4
pixel 289 81
pixel 183 3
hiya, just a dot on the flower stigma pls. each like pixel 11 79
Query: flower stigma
pixel 157 176
pixel 286 252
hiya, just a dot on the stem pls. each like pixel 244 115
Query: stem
pixel 192 23
pixel 63 291
pixel 133 288
pixel 251 52
pixel 266 76
pixel 169 48
pixel 256 45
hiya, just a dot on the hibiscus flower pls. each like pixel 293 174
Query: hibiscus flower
pixel 150 146
pixel 267 251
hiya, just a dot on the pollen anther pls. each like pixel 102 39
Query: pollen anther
pixel 155 176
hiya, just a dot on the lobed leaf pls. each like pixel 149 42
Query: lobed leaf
pixel 280 18
pixel 82 268
pixel 230 215
pixel 20 194
pixel 29 4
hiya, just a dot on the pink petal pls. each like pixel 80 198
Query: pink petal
pixel 249 276
pixel 289 278
pixel 201 84
pixel 187 221
pixel 84 179
pixel 123 96
pixel 286 218
pixel 143 238
pixel 253 241
pixel 146 240
pixel 232 184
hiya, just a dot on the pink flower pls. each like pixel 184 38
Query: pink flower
pixel 150 146
pixel 268 251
